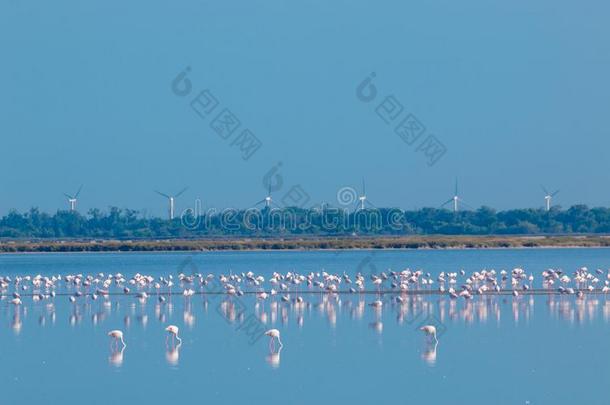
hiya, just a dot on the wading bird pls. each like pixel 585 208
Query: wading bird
pixel 274 334
pixel 117 335
pixel 429 330
pixel 173 330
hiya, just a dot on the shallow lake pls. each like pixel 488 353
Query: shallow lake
pixel 543 349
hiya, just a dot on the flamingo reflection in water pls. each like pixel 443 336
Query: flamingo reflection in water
pixel 429 353
pixel 16 323
pixel 116 357
pixel 273 358
pixel 172 355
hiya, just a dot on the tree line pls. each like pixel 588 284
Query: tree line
pixel 126 223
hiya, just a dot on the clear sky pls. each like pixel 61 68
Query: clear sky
pixel 518 92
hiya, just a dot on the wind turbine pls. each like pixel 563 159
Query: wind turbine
pixel 456 199
pixel 171 199
pixel 72 199
pixel 548 197
pixel 267 200
pixel 362 199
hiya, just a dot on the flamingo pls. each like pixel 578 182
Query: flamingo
pixel 377 281
pixel 173 330
pixel 274 334
pixel 429 330
pixel 117 335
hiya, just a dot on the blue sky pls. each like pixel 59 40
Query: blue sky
pixel 518 93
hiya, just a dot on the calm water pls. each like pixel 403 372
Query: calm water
pixel 502 350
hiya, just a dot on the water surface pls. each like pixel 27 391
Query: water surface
pixel 503 350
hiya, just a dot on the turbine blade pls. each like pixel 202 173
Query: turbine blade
pixel 456 187
pixel 447 202
pixel 363 187
pixel 78 192
pixel 181 192
pixel 546 192
pixel 466 205
pixel 163 194
pixel 555 193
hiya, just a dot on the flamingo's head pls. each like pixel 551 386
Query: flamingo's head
pixel 273 333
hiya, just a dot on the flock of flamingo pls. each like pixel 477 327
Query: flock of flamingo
pixel 292 283
pixel 291 286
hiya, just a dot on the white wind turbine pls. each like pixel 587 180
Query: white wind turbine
pixel 73 199
pixel 172 200
pixel 548 197
pixel 267 200
pixel 456 200
pixel 362 199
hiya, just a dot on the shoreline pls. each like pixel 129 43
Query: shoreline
pixel 303 244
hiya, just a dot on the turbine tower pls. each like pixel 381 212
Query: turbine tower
pixel 72 199
pixel 171 200
pixel 456 199
pixel 548 197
